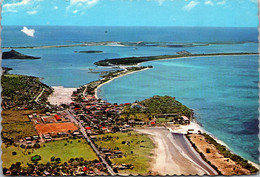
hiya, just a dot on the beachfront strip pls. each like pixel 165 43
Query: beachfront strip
pixel 90 136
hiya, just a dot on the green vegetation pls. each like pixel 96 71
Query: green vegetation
pixel 21 91
pixel 150 107
pixel 89 51
pixel 136 149
pixel 136 60
pixel 202 155
pixel 16 124
pixel 73 149
pixel 228 154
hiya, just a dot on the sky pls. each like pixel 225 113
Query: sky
pixel 211 13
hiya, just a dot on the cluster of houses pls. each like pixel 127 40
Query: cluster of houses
pixel 49 117
pixel 74 167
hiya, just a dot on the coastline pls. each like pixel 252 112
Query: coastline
pixel 198 127
pixel 197 57
pixel 121 75
pixel 194 125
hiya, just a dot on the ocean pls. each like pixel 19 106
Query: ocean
pixel 222 90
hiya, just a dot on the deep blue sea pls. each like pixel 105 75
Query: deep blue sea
pixel 222 90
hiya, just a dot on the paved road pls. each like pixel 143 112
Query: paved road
pixel 174 155
pixel 82 129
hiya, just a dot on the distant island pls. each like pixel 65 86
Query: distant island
pixel 89 51
pixel 137 60
pixel 130 44
pixel 16 55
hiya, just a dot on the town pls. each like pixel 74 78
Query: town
pixel 86 119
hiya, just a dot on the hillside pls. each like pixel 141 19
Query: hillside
pixel 20 92
pixel 148 108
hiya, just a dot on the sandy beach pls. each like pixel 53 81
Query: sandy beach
pixel 173 155
pixel 61 95
pixel 121 75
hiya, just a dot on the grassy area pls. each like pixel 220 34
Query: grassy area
pixel 140 145
pixel 13 75
pixel 18 130
pixel 16 124
pixel 72 149
pixel 164 119
pixel 13 116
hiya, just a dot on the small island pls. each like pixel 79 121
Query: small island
pixel 16 55
pixel 89 51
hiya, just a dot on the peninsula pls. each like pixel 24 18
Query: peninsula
pixel 137 60
pixel 16 55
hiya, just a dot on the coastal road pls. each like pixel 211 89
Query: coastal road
pixel 174 155
pixel 82 129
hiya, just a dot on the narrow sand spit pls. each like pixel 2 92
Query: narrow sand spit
pixel 173 155
pixel 61 95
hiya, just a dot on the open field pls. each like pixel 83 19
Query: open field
pixel 72 149
pixel 13 116
pixel 55 127
pixel 16 124
pixel 18 130
pixel 140 145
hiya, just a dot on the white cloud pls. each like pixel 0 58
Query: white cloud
pixel 80 4
pixel 208 2
pixel 75 11
pixel 28 32
pixel 83 2
pixel 191 5
pixel 32 12
pixel 12 7
pixel 55 7
pixel 221 2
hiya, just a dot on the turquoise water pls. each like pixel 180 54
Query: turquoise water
pixel 222 90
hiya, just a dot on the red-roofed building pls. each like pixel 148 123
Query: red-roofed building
pixel 88 128
pixel 85 169
pixel 88 107
pixel 57 117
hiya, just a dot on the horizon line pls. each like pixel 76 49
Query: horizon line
pixel 136 26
